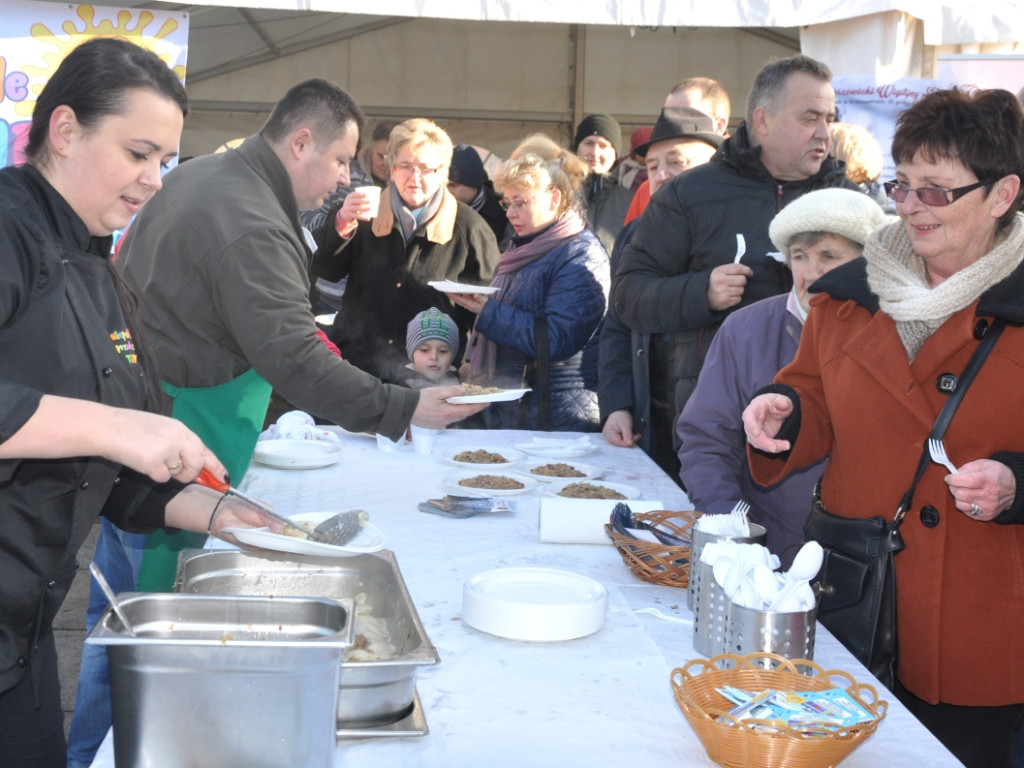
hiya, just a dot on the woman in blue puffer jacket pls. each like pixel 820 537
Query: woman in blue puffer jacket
pixel 539 329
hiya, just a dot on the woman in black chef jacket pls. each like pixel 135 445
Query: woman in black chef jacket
pixel 80 430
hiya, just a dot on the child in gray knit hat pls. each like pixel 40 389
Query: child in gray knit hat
pixel 432 343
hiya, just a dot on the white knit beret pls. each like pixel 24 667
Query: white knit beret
pixel 854 215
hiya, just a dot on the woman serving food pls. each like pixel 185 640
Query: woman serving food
pixel 880 353
pixel 81 433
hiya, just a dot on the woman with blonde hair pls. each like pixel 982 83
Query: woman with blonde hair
pixel 539 330
pixel 420 233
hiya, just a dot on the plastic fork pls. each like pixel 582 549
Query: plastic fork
pixel 937 451
pixel 740 510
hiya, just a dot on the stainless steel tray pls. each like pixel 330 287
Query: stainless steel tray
pixel 373 693
pixel 412 725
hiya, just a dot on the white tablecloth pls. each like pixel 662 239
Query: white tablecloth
pixel 602 700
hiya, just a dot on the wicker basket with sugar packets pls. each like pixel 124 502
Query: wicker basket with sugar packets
pixel 762 743
pixel 656 562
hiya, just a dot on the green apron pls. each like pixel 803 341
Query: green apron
pixel 228 418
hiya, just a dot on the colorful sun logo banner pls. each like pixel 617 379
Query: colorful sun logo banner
pixel 35 38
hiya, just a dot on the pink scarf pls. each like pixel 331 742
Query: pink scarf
pixel 481 352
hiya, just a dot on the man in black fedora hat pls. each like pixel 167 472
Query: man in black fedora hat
pixel 683 137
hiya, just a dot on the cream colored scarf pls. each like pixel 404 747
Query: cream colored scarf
pixel 897 276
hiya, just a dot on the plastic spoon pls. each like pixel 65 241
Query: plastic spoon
pixel 765 582
pixel 805 567
pixel 114 602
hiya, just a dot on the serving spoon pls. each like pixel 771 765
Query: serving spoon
pixel 114 602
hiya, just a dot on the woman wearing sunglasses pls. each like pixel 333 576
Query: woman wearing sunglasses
pixel 882 349
pixel 539 330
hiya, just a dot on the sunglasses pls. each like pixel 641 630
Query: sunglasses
pixel 936 197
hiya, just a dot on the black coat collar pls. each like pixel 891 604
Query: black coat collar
pixel 848 282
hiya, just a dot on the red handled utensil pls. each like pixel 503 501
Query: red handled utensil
pixel 338 530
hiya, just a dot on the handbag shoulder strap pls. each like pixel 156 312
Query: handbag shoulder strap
pixel 946 414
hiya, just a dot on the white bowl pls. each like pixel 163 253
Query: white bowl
pixel 537 605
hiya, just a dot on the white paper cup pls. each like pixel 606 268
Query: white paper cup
pixel 386 445
pixel 423 439
pixel 373 195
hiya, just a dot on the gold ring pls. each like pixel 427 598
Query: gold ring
pixel 176 467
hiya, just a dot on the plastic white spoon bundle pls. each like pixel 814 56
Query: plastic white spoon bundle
pixel 805 567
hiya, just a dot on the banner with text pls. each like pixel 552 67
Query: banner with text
pixel 35 38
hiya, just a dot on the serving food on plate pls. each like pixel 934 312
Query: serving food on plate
pixel 581 489
pixel 477 394
pixel 473 458
pixel 558 470
pixel 489 483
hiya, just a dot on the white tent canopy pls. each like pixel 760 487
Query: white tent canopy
pixel 492 71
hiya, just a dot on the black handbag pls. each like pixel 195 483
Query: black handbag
pixel 857 580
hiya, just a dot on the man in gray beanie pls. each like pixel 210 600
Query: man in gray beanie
pixel 597 143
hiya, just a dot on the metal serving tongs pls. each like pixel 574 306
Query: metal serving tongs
pixel 337 530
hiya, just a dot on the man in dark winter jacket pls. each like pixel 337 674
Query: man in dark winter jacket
pixel 701 249
pixel 597 143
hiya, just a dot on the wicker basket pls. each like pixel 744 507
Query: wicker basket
pixel 658 563
pixel 734 744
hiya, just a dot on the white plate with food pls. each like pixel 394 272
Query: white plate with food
pixel 592 489
pixel 449 286
pixel 370 539
pixel 489 395
pixel 296 454
pixel 483 458
pixel 557 448
pixel 534 605
pixel 488 482
pixel 558 470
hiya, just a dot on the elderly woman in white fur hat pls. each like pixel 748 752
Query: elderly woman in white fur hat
pixel 816 233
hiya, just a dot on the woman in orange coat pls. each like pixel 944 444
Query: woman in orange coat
pixel 866 387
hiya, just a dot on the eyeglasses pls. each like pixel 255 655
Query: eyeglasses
pixel 935 197
pixel 411 168
pixel 520 205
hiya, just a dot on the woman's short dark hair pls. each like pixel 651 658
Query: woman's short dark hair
pixel 319 105
pixel 94 80
pixel 981 129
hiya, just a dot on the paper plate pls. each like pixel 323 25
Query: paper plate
pixel 537 605
pixel 296 454
pixel 370 539
pixel 448 286
pixel 512 456
pixel 451 483
pixel 493 397
pixel 527 467
pixel 557 449
pixel 552 489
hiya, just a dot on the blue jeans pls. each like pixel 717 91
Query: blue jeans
pixel 118 555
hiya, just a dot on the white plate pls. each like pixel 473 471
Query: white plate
pixel 451 483
pixel 508 453
pixel 539 605
pixel 493 397
pixel 552 489
pixel 370 539
pixel 589 472
pixel 557 449
pixel 296 454
pixel 447 286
